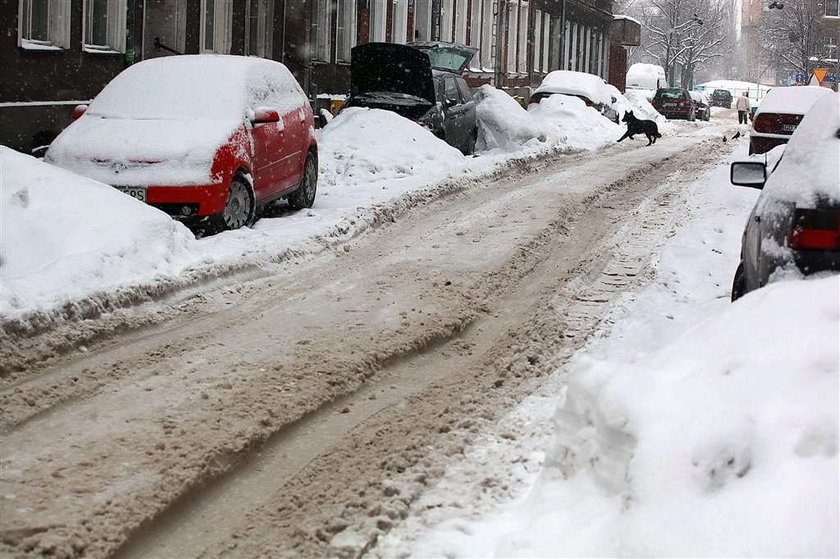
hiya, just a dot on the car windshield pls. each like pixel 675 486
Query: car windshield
pixel 669 94
pixel 175 88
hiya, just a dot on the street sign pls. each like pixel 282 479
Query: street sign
pixel 820 73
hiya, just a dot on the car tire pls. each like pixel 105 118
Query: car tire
pixel 304 196
pixel 739 283
pixel 240 205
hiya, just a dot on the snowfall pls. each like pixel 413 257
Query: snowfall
pixel 689 426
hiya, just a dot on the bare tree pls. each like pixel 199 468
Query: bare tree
pixel 685 33
pixel 789 35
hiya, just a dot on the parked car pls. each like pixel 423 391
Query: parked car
pixel 779 113
pixel 795 224
pixel 593 90
pixel 702 108
pixel 674 102
pixel 208 139
pixel 721 98
pixel 422 82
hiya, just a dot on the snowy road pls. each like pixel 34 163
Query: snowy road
pixel 270 415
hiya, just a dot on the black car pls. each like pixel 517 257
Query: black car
pixel 721 98
pixel 795 224
pixel 420 81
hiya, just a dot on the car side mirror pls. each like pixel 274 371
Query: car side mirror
pixel 78 111
pixel 264 115
pixel 748 173
pixel 447 103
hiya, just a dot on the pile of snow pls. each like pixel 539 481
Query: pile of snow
pixel 580 126
pixel 642 108
pixel 502 122
pixel 362 145
pixel 568 82
pixel 723 443
pixel 645 76
pixel 65 236
pixel 796 100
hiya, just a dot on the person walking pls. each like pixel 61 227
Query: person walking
pixel 743 106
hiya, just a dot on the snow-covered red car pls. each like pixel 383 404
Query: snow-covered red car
pixel 208 139
pixel 779 113
pixel 592 89
pixel 795 224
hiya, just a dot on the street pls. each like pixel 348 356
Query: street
pixel 262 414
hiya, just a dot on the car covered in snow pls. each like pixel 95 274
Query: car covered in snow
pixel 422 82
pixel 702 105
pixel 779 113
pixel 208 139
pixel 795 224
pixel 674 102
pixel 591 89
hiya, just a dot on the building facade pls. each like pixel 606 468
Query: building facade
pixel 55 54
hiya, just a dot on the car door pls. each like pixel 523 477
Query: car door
pixel 469 119
pixel 268 140
pixel 456 113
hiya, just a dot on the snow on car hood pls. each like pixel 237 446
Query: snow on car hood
pixel 575 83
pixel 809 168
pixel 129 152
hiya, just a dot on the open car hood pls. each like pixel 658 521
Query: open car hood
pixel 390 67
pixel 449 57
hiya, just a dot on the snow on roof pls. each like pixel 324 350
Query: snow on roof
pixel 628 18
pixel 791 100
pixel 641 69
pixel 576 83
pixel 810 165
pixel 197 86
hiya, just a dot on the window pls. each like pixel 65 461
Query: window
pixel 259 28
pixel 378 20
pixel 513 17
pixel 399 21
pixel 831 8
pixel 450 91
pixel 538 27
pixel 475 34
pixel 546 41
pixel 423 17
pixel 44 24
pixel 522 65
pixel 104 25
pixel 461 21
pixel 216 25
pixel 830 49
pixel 466 94
pixel 447 14
pixel 321 31
pixel 345 36
pixel 488 37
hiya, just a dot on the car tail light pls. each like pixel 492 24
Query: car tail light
pixel 815 230
pixel 683 103
pixel 774 123
pixel 533 100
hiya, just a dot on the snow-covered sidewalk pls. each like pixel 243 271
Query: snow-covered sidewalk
pixel 690 426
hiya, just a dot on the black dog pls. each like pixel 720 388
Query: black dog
pixel 637 126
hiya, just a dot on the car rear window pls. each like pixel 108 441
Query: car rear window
pixel 669 94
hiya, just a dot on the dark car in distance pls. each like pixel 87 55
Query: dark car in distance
pixel 674 102
pixel 422 82
pixel 702 108
pixel 795 224
pixel 721 98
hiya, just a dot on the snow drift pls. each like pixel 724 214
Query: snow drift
pixel 65 235
pixel 362 145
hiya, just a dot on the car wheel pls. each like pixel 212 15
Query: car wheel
pixel 739 283
pixel 240 206
pixel 304 196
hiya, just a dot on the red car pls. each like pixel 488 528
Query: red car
pixel 674 102
pixel 779 113
pixel 208 139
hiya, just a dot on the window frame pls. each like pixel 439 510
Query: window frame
pixel 346 29
pixel 222 10
pixel 264 20
pixel 836 8
pixel 58 26
pixel 115 27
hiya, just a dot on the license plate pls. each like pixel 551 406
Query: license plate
pixel 788 127
pixel 138 192
pixel 669 105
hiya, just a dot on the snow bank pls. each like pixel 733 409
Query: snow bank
pixel 723 443
pixel 503 123
pixel 643 109
pixel 363 145
pixel 580 126
pixel 65 236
